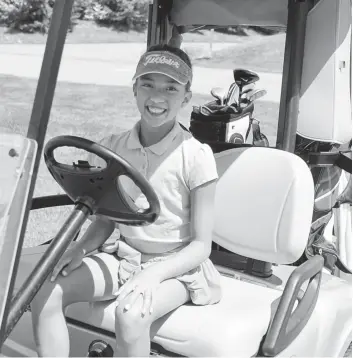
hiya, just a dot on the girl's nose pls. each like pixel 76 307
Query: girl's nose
pixel 157 97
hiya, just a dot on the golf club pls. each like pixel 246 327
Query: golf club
pixel 256 95
pixel 233 95
pixel 244 77
pixel 220 94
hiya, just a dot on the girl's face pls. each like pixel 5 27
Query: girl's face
pixel 159 98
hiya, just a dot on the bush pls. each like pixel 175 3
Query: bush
pixel 26 15
pixel 122 14
pixel 83 10
pixel 34 15
pixel 241 30
pixel 4 10
pixel 6 7
pixel 267 30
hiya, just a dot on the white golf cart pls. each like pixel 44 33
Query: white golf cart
pixel 282 293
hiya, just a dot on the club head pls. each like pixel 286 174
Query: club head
pixel 220 94
pixel 243 104
pixel 248 88
pixel 244 77
pixel 205 110
pixel 216 94
pixel 245 95
pixel 228 93
pixel 256 95
pixel 233 95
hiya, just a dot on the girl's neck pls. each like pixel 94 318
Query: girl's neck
pixel 152 135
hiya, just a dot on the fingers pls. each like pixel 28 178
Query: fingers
pixel 65 266
pixel 73 265
pixel 147 302
pixel 57 269
pixel 132 298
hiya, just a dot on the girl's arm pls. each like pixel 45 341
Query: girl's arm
pixel 96 235
pixel 199 249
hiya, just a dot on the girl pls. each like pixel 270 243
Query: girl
pixel 150 270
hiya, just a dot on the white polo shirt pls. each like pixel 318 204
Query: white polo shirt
pixel 174 166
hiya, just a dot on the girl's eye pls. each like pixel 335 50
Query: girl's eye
pixel 146 85
pixel 172 89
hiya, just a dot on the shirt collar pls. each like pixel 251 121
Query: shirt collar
pixel 158 148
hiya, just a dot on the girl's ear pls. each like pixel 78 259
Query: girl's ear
pixel 134 89
pixel 187 98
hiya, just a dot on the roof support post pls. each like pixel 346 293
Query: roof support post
pixel 37 128
pixel 292 71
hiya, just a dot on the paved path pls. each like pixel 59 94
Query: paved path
pixel 114 64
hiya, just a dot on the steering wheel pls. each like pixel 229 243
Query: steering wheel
pixel 98 187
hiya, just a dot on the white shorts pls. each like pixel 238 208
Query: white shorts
pixel 203 282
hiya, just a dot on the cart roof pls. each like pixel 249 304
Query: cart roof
pixel 229 12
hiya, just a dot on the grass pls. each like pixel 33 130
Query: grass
pixel 253 51
pixel 89 111
pixel 90 32
pixel 84 32
pixel 263 53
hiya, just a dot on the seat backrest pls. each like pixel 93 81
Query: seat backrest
pixel 264 204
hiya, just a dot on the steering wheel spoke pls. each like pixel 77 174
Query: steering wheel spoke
pixel 127 218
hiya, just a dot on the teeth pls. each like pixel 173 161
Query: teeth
pixel 156 110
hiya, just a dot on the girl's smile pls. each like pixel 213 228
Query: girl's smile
pixel 155 110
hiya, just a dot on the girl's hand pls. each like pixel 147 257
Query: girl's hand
pixel 143 283
pixel 71 260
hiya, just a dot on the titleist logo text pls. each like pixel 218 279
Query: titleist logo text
pixel 161 59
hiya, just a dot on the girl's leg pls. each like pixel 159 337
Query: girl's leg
pixel 94 280
pixel 133 331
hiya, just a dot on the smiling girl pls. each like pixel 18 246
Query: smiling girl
pixel 156 268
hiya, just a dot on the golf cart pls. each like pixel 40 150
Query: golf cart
pixel 283 294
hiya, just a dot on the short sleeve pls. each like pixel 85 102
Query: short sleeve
pixel 203 167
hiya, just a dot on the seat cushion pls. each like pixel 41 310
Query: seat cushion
pixel 233 327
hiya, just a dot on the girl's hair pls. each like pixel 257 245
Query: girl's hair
pixel 176 51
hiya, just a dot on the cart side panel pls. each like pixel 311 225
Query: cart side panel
pixel 325 109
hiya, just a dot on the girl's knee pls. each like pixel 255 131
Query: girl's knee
pixel 130 324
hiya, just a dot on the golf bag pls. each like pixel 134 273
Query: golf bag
pixel 226 126
pixel 229 118
pixel 328 162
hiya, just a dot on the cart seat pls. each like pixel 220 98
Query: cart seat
pixel 264 204
pixel 232 328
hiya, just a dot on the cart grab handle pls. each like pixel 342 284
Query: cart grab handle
pixel 286 324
